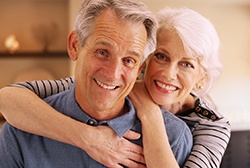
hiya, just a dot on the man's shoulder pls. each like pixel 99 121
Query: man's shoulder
pixel 175 127
pixel 170 119
pixel 58 98
pixel 179 136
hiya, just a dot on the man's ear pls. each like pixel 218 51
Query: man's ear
pixel 144 66
pixel 141 70
pixel 73 45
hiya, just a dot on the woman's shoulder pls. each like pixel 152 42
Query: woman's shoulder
pixel 203 116
pixel 203 110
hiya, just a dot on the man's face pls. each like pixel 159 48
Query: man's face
pixel 108 65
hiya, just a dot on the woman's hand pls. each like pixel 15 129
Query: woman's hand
pixel 107 148
pixel 142 101
pixel 157 151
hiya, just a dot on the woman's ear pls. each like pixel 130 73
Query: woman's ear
pixel 201 83
pixel 73 45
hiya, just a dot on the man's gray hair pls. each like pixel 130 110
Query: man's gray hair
pixel 133 11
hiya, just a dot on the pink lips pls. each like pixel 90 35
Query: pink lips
pixel 165 88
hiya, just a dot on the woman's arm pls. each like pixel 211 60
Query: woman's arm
pixel 24 110
pixel 157 150
pixel 45 88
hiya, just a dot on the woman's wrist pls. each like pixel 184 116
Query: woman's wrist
pixel 79 134
pixel 149 114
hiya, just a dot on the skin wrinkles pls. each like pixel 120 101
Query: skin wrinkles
pixel 107 65
pixel 194 61
pixel 112 37
pixel 171 74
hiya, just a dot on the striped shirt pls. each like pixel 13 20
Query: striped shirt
pixel 211 131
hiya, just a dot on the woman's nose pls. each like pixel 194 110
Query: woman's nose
pixel 171 72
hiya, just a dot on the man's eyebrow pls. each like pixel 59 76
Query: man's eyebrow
pixel 130 52
pixel 103 42
pixel 135 53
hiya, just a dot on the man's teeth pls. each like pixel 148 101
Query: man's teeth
pixel 166 87
pixel 105 86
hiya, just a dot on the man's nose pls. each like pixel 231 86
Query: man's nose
pixel 114 70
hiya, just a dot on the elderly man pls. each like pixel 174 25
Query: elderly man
pixel 109 44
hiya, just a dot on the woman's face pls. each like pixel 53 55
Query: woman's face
pixel 171 74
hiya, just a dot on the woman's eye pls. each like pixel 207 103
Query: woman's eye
pixel 160 56
pixel 187 64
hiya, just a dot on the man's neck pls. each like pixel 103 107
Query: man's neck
pixel 103 115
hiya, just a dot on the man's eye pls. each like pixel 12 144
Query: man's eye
pixel 129 62
pixel 102 52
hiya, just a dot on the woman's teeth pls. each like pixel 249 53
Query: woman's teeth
pixel 166 87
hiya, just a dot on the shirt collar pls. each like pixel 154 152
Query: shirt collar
pixel 125 122
pixel 120 124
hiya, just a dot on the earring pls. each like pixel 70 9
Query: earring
pixel 200 84
pixel 199 87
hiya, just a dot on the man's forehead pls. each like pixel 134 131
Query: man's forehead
pixel 110 44
pixel 113 32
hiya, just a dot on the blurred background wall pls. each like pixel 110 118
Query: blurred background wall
pixel 41 28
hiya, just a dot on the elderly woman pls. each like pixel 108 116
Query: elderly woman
pixel 178 77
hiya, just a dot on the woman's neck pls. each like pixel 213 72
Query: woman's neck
pixel 181 106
